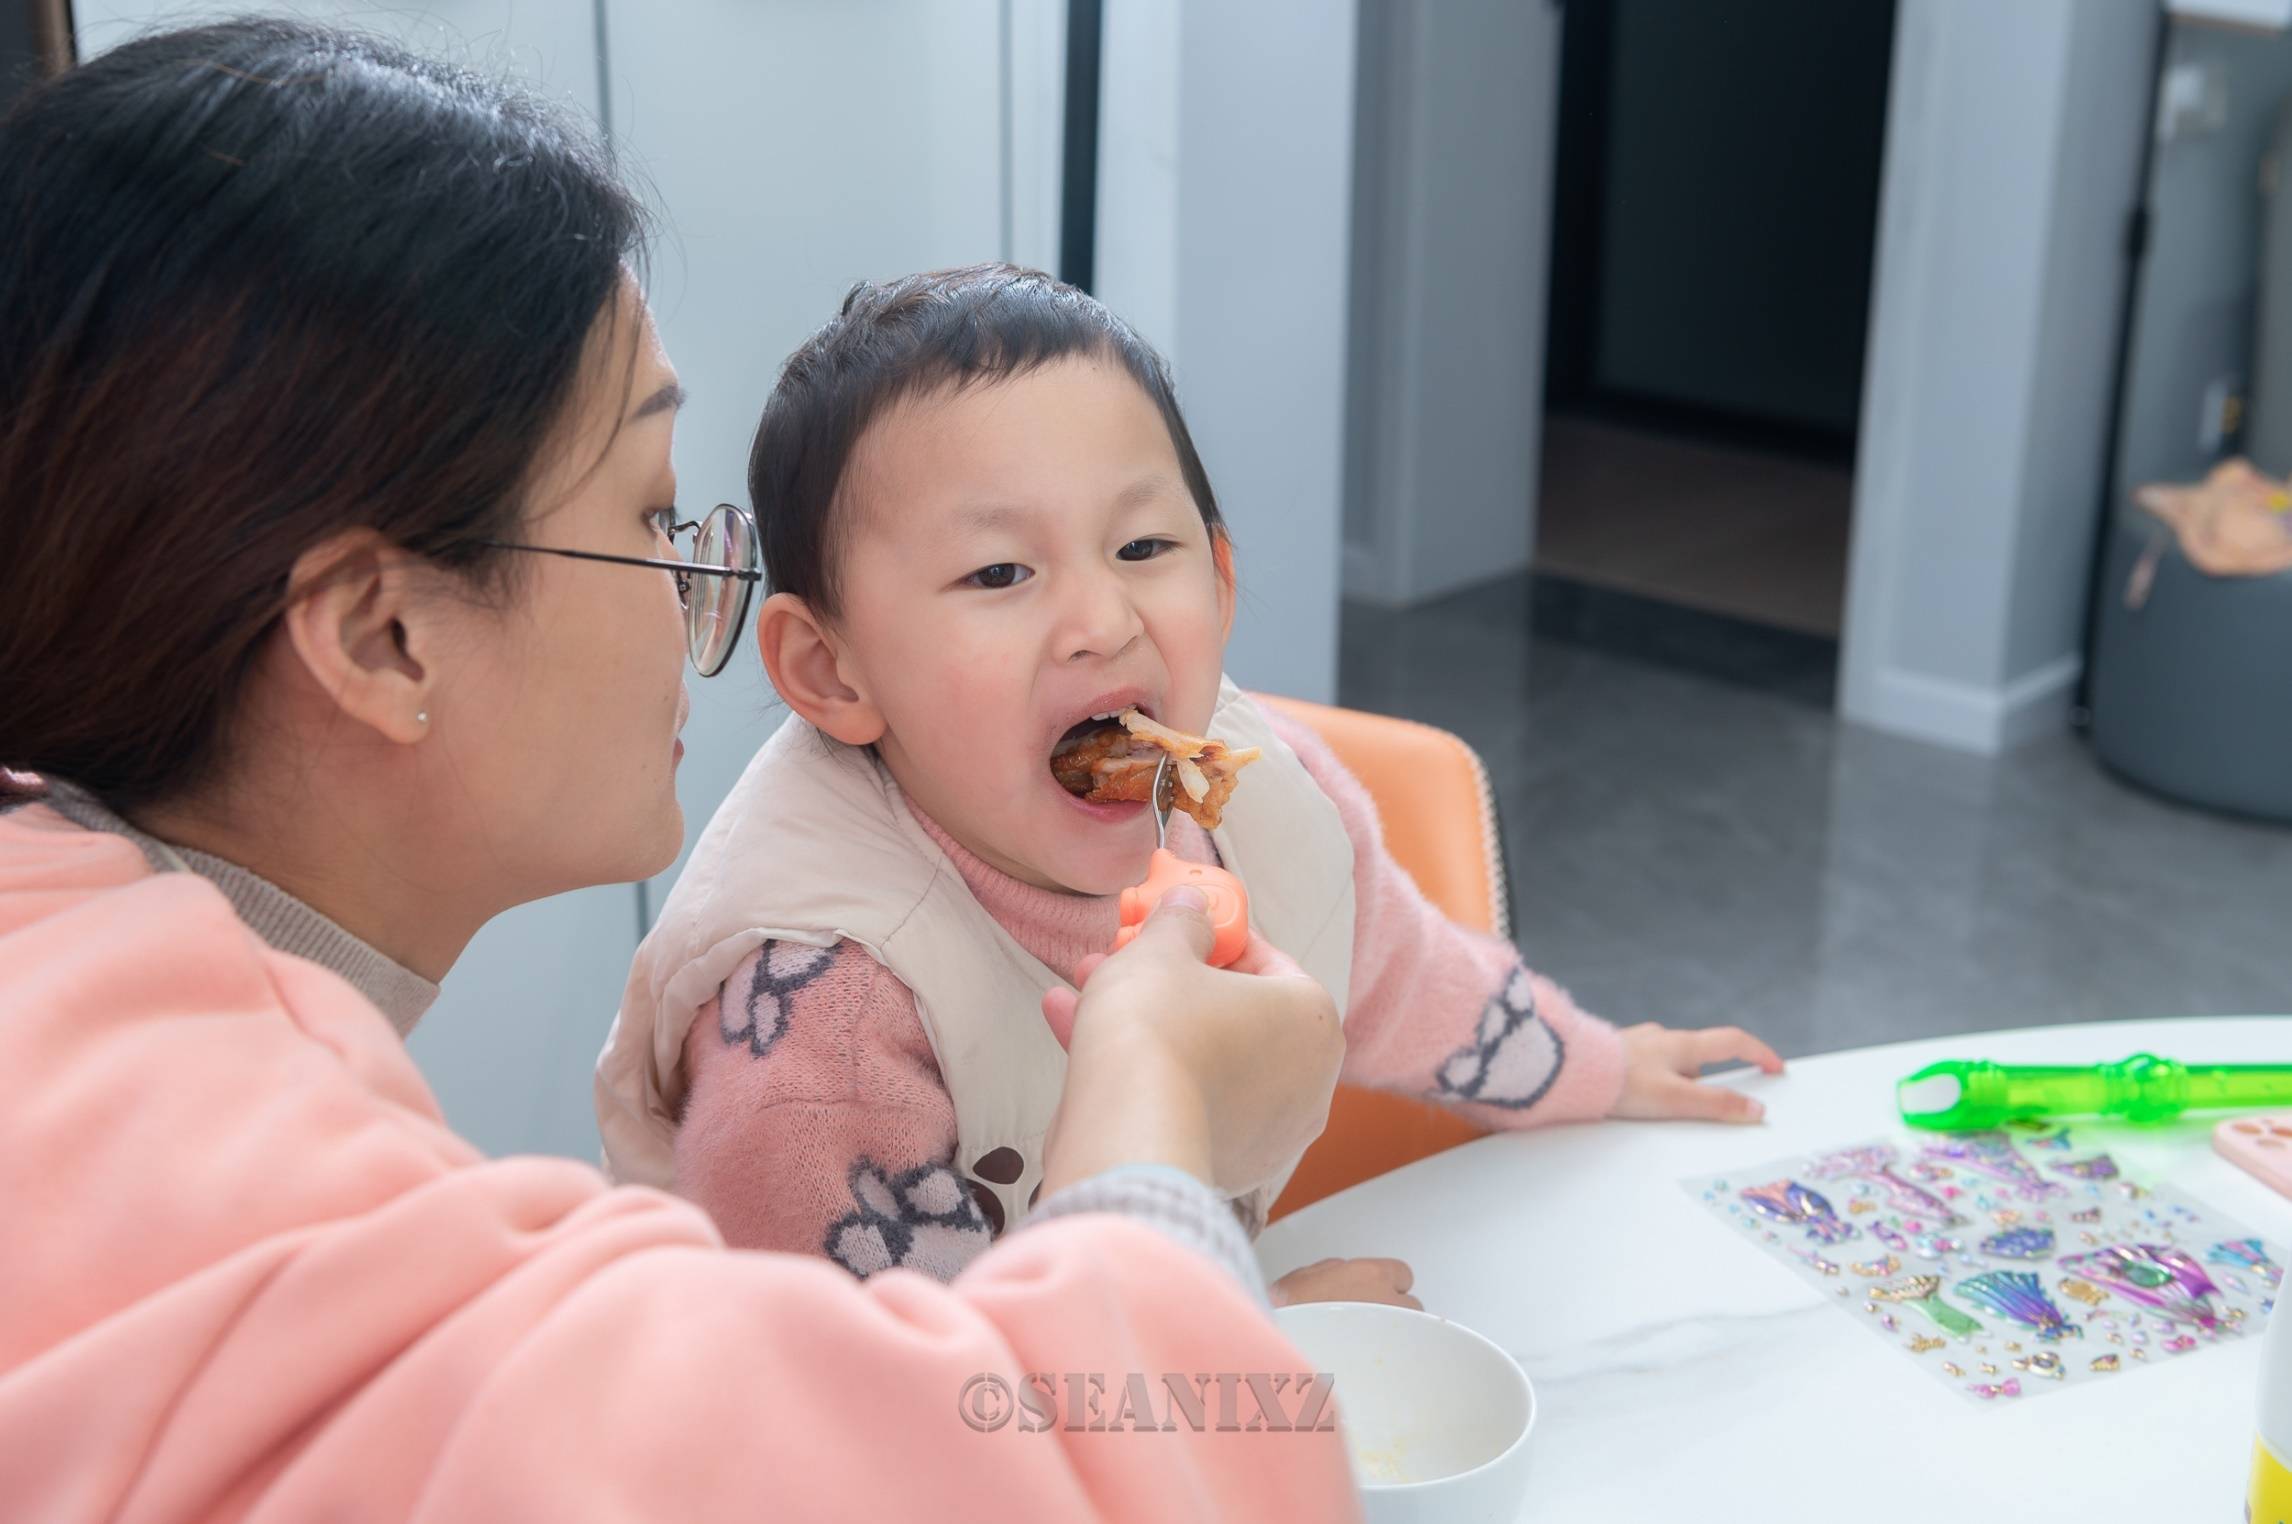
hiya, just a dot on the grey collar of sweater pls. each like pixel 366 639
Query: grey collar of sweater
pixel 281 920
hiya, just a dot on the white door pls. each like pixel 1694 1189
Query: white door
pixel 798 148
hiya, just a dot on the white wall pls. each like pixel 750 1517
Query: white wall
pixel 1225 192
pixel 1452 235
pixel 551 44
pixel 796 149
pixel 2014 137
pixel 1135 259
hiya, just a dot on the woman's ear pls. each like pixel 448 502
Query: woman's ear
pixel 354 619
pixel 1222 551
pixel 809 672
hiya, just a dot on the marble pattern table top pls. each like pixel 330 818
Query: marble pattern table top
pixel 1681 1374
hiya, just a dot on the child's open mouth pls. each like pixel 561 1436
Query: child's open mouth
pixel 1112 759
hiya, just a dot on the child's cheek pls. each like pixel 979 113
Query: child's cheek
pixel 963 689
pixel 1194 656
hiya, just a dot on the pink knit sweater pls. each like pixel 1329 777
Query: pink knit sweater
pixel 816 1119
pixel 251 1277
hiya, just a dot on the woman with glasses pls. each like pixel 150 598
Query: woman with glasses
pixel 344 603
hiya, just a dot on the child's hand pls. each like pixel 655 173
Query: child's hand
pixel 1348 1280
pixel 1661 1068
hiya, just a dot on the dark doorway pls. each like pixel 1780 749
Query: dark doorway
pixel 1714 225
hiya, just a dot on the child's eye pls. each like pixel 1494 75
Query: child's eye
pixel 1000 575
pixel 1144 550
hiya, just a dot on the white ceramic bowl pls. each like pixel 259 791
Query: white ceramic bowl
pixel 1436 1417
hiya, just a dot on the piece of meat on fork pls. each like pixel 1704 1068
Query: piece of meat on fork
pixel 1113 762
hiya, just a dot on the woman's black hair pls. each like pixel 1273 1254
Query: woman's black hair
pixel 899 339
pixel 266 281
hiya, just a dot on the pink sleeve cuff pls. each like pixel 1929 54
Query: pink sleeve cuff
pixel 1591 1074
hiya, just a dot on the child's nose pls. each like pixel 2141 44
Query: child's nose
pixel 1101 621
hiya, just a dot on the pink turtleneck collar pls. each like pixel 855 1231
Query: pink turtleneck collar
pixel 1058 928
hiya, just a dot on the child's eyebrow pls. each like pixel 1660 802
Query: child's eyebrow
pixel 985 519
pixel 1144 490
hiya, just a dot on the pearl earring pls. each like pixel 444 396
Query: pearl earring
pixel 421 716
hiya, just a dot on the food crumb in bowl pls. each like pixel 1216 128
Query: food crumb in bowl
pixel 1387 1465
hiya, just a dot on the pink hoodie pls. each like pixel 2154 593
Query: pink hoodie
pixel 250 1274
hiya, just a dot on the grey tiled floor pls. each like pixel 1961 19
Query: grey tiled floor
pixel 1697 853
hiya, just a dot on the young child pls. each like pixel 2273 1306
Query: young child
pixel 984 525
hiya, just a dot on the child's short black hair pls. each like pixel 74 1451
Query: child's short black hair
pixel 898 339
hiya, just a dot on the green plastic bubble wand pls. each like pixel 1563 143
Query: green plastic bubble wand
pixel 1962 1095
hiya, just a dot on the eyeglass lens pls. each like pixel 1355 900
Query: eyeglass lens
pixel 717 606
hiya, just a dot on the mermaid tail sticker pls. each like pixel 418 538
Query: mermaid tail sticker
pixel 1923 1294
pixel 1874 1162
pixel 1790 1202
pixel 2020 1243
pixel 2016 1294
pixel 2249 1254
pixel 1993 1154
pixel 2164 1279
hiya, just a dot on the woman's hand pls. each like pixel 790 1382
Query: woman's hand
pixel 1348 1280
pixel 1226 1073
pixel 1662 1065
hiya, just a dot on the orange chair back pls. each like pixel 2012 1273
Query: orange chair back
pixel 1439 820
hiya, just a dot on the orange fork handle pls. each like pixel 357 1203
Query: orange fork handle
pixel 1229 903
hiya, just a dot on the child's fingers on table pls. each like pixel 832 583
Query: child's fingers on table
pixel 1394 1270
pixel 1719 1045
pixel 1694 1101
pixel 1385 1281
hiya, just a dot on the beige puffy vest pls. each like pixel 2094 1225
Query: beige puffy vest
pixel 814 845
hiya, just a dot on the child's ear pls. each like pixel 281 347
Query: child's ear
pixel 801 658
pixel 1222 550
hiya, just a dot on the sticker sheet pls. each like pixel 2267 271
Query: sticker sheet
pixel 2007 1264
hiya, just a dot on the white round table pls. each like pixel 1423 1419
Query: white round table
pixel 1682 1374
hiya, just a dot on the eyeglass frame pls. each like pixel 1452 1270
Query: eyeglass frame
pixel 682 569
